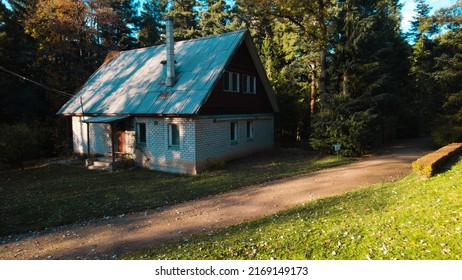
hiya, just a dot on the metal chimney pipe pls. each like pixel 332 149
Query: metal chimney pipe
pixel 170 42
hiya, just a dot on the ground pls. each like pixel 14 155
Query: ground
pixel 109 238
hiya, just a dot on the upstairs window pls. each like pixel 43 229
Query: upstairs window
pixel 141 134
pixel 231 82
pixel 249 84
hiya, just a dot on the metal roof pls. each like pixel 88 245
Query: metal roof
pixel 132 83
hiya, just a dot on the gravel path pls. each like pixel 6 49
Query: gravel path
pixel 109 238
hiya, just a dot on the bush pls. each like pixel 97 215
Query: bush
pixel 21 142
pixel 353 131
pixel 446 133
pixel 216 163
pixel 431 163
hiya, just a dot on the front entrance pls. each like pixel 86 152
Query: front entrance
pixel 121 142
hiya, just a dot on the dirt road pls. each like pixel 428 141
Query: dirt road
pixel 109 238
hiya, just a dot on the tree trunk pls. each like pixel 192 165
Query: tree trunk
pixel 345 83
pixel 323 79
pixel 313 89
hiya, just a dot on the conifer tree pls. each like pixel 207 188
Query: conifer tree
pixel 217 17
pixel 151 22
pixel 185 17
pixel 368 79
pixel 447 125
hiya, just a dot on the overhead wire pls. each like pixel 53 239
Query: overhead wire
pixel 36 83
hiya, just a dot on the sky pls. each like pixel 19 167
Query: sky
pixel 409 7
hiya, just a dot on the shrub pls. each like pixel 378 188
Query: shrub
pixel 21 142
pixel 446 133
pixel 216 163
pixel 431 163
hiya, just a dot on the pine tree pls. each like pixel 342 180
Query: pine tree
pixel 151 22
pixel 422 64
pixel 447 126
pixel 114 21
pixel 368 79
pixel 217 17
pixel 185 17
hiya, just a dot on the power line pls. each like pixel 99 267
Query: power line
pixel 37 83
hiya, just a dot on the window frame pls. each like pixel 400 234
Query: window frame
pixel 249 84
pixel 249 130
pixel 141 134
pixel 234 132
pixel 230 81
pixel 171 144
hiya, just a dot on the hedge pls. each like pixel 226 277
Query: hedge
pixel 431 163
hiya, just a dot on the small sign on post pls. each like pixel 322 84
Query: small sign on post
pixel 336 148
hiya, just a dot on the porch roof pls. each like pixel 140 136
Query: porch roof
pixel 105 119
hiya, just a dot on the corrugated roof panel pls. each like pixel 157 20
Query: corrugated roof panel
pixel 185 102
pixel 111 79
pixel 157 103
pixel 133 82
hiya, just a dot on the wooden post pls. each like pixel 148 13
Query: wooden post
pixel 113 145
pixel 88 143
pixel 89 161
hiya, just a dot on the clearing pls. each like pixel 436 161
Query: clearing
pixel 111 237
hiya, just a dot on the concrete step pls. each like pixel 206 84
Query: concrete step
pixel 101 163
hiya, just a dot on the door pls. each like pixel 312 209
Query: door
pixel 121 142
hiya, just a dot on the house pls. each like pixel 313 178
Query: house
pixel 175 107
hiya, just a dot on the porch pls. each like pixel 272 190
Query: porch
pixel 117 156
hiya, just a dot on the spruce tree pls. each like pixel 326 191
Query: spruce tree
pixel 151 19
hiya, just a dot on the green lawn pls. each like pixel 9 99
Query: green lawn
pixel 409 219
pixel 54 195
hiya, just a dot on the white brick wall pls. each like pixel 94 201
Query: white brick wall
pixel 213 138
pixel 100 137
pixel 157 154
pixel 200 139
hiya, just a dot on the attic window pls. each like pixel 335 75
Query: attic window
pixel 249 84
pixel 231 81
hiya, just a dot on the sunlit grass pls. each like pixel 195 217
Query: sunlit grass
pixel 409 219
pixel 54 195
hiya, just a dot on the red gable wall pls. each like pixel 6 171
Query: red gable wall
pixel 221 102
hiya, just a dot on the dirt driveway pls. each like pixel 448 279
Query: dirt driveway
pixel 109 238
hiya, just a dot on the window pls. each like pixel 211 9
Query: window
pixel 173 135
pixel 231 82
pixel 249 84
pixel 233 132
pixel 141 134
pixel 249 130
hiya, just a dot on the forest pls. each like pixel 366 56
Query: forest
pixel 343 70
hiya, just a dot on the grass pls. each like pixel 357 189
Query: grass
pixel 408 219
pixel 53 195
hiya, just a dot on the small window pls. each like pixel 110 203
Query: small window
pixel 141 133
pixel 249 130
pixel 231 82
pixel 173 135
pixel 249 84
pixel 233 132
